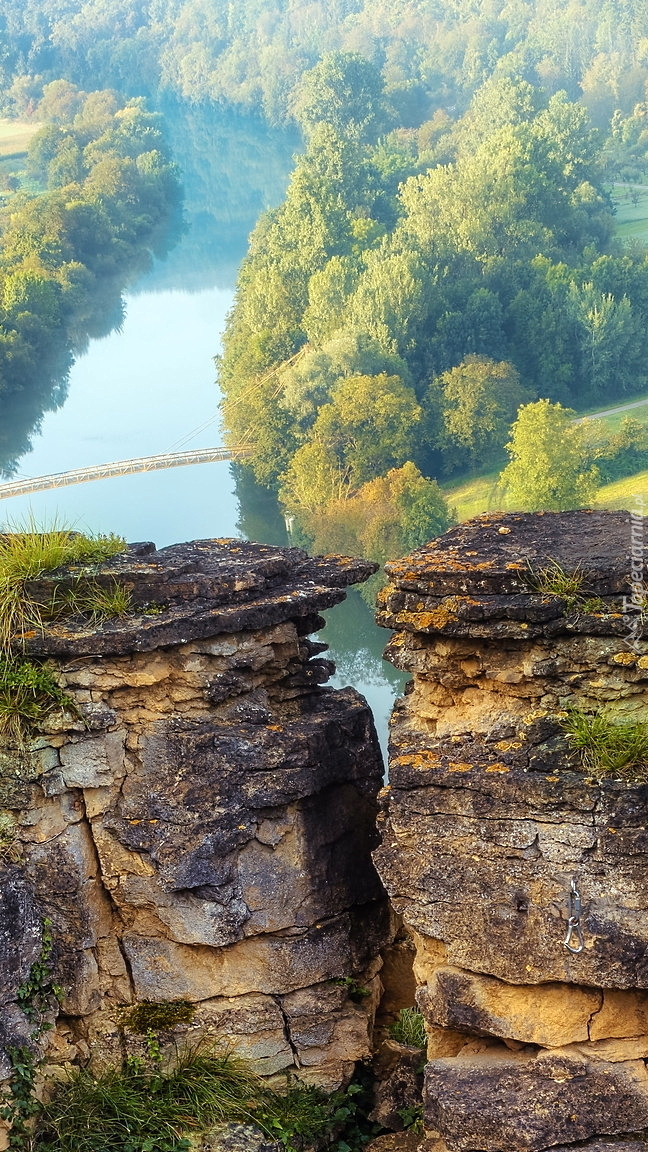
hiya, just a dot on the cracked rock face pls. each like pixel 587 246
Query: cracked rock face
pixel 489 815
pixel 200 827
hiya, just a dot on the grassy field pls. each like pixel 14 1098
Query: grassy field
pixel 15 136
pixel 482 495
pixel 613 423
pixel 631 219
pixel 621 493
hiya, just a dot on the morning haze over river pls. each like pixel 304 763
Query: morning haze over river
pixel 149 387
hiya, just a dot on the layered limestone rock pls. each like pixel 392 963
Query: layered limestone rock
pixel 197 826
pixel 489 816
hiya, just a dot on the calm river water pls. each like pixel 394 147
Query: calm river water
pixel 150 388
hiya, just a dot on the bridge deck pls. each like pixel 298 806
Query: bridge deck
pixel 119 468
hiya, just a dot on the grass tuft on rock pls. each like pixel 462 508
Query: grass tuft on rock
pixel 88 598
pixel 28 551
pixel 142 1108
pixel 137 1107
pixel 409 1028
pixel 608 748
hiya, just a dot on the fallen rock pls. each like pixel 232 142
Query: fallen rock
pixel 398 1100
pixel 394 1142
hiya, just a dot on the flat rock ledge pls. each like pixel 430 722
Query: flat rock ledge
pixel 489 815
pixel 198 825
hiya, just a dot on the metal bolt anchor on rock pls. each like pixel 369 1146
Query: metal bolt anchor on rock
pixel 573 941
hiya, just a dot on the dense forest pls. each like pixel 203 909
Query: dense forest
pixel 415 289
pixel 99 196
pixel 431 53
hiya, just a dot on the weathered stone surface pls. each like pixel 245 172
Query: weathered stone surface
pixel 199 825
pixel 394 1142
pixel 513 1102
pixel 478 557
pixel 547 1014
pixel 234 1138
pixel 621 1014
pixel 497 848
pixel 397 976
pixel 606 1146
pixel 203 588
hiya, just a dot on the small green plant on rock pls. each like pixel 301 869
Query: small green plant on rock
pixel 151 1016
pixel 355 991
pixel 88 598
pixel 412 1117
pixel 554 580
pixel 35 996
pixel 606 747
pixel 409 1028
pixel 29 692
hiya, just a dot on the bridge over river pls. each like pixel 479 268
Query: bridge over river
pixel 29 484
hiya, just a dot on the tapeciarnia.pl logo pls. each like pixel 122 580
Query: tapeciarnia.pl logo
pixel 634 606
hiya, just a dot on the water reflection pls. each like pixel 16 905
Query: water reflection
pixel 355 642
pixel 233 168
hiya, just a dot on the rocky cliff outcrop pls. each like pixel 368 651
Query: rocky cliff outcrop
pixel 197 826
pixel 490 816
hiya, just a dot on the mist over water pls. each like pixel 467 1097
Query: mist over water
pixel 149 387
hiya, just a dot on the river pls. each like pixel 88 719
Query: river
pixel 149 387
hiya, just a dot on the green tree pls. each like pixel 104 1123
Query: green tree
pixel 386 518
pixel 344 90
pixel 368 427
pixel 550 465
pixel 478 400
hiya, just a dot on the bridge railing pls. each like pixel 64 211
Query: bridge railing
pixel 120 468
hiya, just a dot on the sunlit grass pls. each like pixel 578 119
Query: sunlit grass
pixel 15 136
pixel 621 493
pixel 631 219
pixel 26 552
pixel 607 748
pixel 481 494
